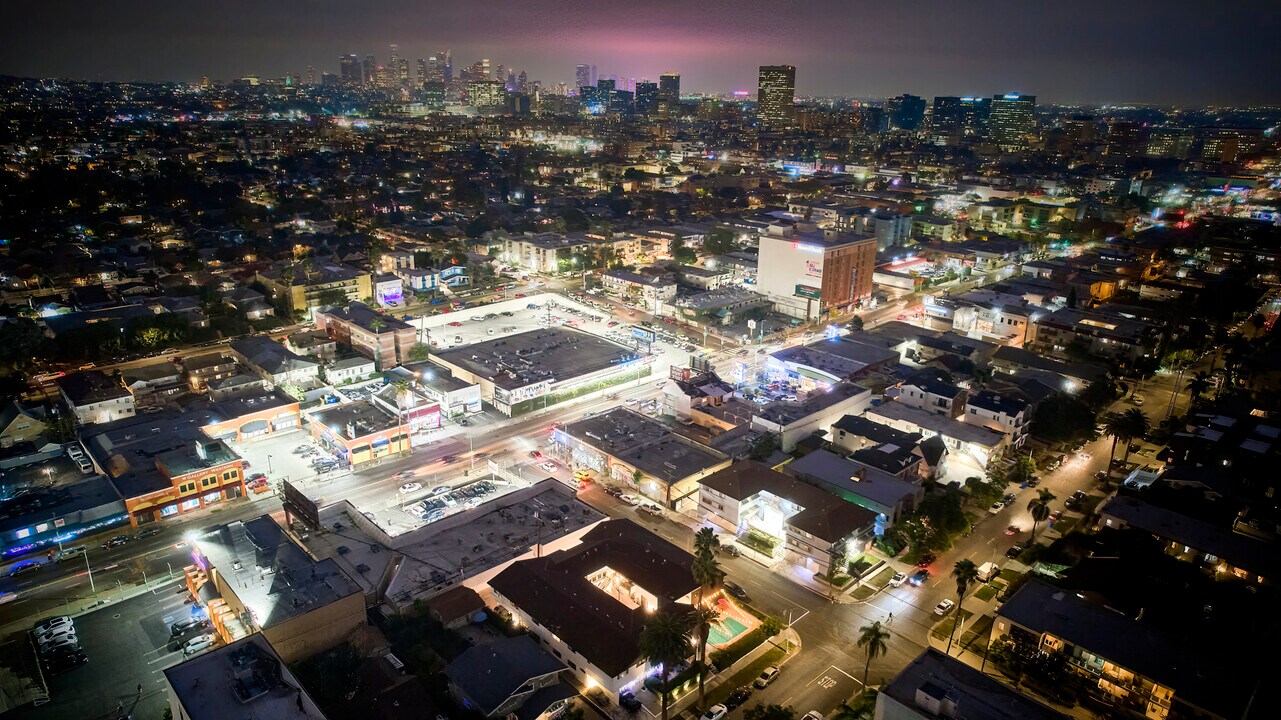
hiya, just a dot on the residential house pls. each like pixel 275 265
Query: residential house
pixel 274 363
pixel 95 397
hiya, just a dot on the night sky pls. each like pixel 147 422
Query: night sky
pixel 1109 51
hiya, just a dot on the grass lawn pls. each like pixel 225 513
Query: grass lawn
pixel 744 676
pixel 871 587
pixel 944 626
pixel 1065 525
pixel 1010 576
pixel 987 592
pixel 976 636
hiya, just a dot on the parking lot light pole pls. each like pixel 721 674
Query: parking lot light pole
pixel 269 470
pixel 92 589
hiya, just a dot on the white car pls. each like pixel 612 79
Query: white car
pixel 996 507
pixel 898 579
pixel 944 607
pixel 440 489
pixel 549 466
pixel 198 643
pixel 411 487
pixel 715 712
pixel 630 499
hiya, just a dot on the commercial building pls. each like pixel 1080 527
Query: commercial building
pixel 45 518
pixel 935 685
pixel 540 368
pixel 363 431
pixel 95 397
pixel 244 679
pixel 803 521
pixel 792 422
pixel 251 577
pixel 587 604
pixel 252 413
pixel 436 382
pixel 885 494
pixel 807 272
pixel 630 449
pixel 375 335
pixel 776 97
pixel 164 465
pixel 824 363
pixel 1011 123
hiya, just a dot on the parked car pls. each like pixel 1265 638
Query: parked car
pixel 186 625
pixel 629 702
pixel 730 550
pixel 197 644
pixel 944 607
pixel 996 507
pixel 767 676
pixel 535 454
pixel 897 580
pixel 737 592
pixel 738 697
pixel 629 499
pixel 919 577
pixel 715 712
pixel 813 715
pixel 650 509
pixel 549 466
pixel 1016 550
pixel 1074 500
pixel 410 487
pixel 65 661
pixel 60 644
pixel 50 624
pixel 56 637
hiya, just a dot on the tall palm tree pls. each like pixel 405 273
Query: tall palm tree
pixel 1039 506
pixel 1197 385
pixel 665 641
pixel 1116 428
pixel 702 617
pixel 1137 426
pixel 706 572
pixel 965 572
pixel 872 638
pixel 705 540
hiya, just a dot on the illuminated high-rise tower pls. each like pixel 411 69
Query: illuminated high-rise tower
pixel 776 97
pixel 582 76
pixel 1011 124
pixel 349 69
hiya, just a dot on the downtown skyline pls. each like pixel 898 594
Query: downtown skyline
pixel 1086 53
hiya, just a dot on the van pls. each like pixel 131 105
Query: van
pixel 987 571
pixel 84 464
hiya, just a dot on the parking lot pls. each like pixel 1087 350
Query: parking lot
pixel 128 645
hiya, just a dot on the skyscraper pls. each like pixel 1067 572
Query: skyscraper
pixel 1126 139
pixel 435 70
pixel 669 87
pixel 1012 122
pixel 582 76
pixel 974 115
pixel 906 112
pixel 422 71
pixel 776 97
pixel 447 67
pixel 349 69
pixel 311 75
pixel 647 98
pixel 369 71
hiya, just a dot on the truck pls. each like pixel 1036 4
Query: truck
pixel 66 554
pixel 987 571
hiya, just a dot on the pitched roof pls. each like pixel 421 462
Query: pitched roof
pixel 490 673
pixel 824 515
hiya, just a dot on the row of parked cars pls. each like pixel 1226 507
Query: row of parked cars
pixel 57 645
pixel 444 498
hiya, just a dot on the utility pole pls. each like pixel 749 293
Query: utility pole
pixel 92 589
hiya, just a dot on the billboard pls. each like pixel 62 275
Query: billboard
pixel 807 291
pixel 299 505
pixel 643 333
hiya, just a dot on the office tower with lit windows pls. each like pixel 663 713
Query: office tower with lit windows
pixel 646 98
pixel 522 82
pixel 1012 121
pixel 582 76
pixel 447 67
pixel 776 97
pixel 1170 142
pixel 422 71
pixel 669 88
pixel 974 115
pixel 906 112
pixel 349 69
pixel 311 75
pixel 945 115
pixel 435 69
pixel 434 94
pixel 1126 139
pixel 369 71
pixel 487 94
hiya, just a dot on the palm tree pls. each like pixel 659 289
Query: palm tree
pixel 665 641
pixel 1039 506
pixel 702 617
pixel 1197 385
pixel 1115 427
pixel 872 638
pixel 965 572
pixel 706 572
pixel 1137 426
pixel 705 541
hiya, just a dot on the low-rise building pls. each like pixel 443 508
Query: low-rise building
pixel 246 678
pixel 204 369
pixel 929 392
pixel 968 445
pixel 304 288
pixel 648 290
pixel 95 397
pixel 587 604
pixel 1003 413
pixel 455 397
pixel 370 333
pixel 935 685
pixel 498 678
pixel 630 449
pixel 154 383
pixel 884 493
pixel 349 369
pixel 794 421
pixel 251 577
pixel 804 521
pixel 274 363
pixel 251 413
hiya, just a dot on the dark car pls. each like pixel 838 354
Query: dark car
pixel 146 533
pixel 927 559
pixel 66 662
pixel 23 569
pixel 1008 499
pixel 187 625
pixel 737 591
pixel 115 542
pixel 919 577
pixel 449 459
pixel 629 702
pixel 1015 550
pixel 738 697
pixel 730 550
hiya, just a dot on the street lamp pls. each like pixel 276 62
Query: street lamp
pixel 269 470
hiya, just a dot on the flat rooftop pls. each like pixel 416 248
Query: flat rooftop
pixel 552 354
pixel 363 416
pixel 245 679
pixel 934 677
pixel 852 479
pixel 822 514
pixel 128 450
pixel 274 578
pixel 839 358
pixel 645 444
pixel 252 401
pixel 786 413
pixel 90 500
pixel 362 316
